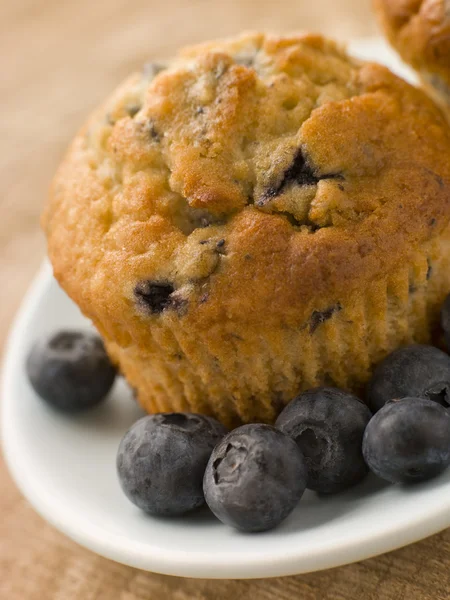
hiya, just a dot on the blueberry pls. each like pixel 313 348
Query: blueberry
pixel 328 426
pixel 153 296
pixel 300 172
pixel 254 478
pixel 70 370
pixel 162 458
pixel 408 440
pixel 415 371
pixel 445 320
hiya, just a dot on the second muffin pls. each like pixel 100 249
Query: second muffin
pixel 420 31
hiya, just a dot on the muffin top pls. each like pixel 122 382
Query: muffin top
pixel 258 180
pixel 420 31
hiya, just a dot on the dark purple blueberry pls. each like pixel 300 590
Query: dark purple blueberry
pixel 301 172
pixel 254 478
pixel 408 440
pixel 328 426
pixel 162 458
pixel 70 370
pixel 413 371
pixel 445 320
pixel 153 296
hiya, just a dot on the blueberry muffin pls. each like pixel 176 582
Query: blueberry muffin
pixel 258 216
pixel 420 31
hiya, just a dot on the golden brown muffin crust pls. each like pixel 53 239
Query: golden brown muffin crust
pixel 249 184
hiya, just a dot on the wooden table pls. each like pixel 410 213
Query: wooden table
pixel 58 59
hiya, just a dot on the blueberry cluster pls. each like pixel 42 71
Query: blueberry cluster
pixel 252 478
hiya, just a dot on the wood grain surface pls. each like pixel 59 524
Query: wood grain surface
pixel 58 60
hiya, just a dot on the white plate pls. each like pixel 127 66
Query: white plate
pixel 66 468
